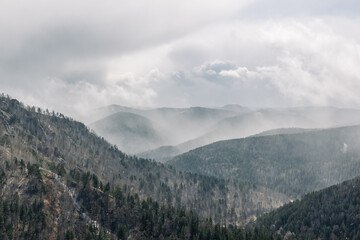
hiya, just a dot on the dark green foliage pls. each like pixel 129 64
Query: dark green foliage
pixel 95 181
pixel 59 169
pixel 332 213
pixel 69 235
pixel 13 119
pixel 107 187
pixel 293 164
pixel 2 176
pixel 33 169
pixel 85 178
pixel 129 216
pixel 26 220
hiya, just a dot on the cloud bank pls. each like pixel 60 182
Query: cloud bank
pixel 76 56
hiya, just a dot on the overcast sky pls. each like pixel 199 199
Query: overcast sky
pixel 73 56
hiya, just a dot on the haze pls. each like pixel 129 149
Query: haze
pixel 77 56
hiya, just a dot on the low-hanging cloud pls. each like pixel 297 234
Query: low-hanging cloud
pixel 313 66
pixel 73 57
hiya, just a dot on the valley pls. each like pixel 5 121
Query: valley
pixel 226 188
pixel 68 148
pixel 179 120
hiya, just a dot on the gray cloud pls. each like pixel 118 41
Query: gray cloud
pixel 284 8
pixel 73 57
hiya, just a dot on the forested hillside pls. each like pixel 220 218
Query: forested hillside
pixel 332 213
pixel 38 204
pixel 54 141
pixel 293 164
pixel 33 206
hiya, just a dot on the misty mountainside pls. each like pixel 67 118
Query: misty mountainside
pixel 280 131
pixel 104 112
pixel 255 122
pixel 53 141
pixel 293 164
pixel 162 154
pixel 138 130
pixel 169 113
pixel 332 213
pixel 236 108
pixel 183 124
pixel 129 131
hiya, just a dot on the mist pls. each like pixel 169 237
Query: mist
pixel 163 133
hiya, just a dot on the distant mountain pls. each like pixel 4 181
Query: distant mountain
pixel 103 112
pixel 293 164
pixel 254 122
pixel 280 131
pixel 242 125
pixel 203 115
pixel 137 130
pixel 55 143
pixel 187 123
pixel 161 154
pixel 235 108
pixel 250 123
pixel 332 213
pixel 129 131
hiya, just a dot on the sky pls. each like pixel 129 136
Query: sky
pixel 75 56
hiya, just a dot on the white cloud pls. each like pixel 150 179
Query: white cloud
pixel 315 65
pixel 309 62
pixel 240 73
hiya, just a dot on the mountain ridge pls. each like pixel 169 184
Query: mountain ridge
pixel 331 213
pixel 257 121
pixel 290 163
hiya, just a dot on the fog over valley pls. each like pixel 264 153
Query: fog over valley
pixel 165 132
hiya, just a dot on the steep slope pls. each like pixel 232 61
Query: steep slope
pixel 292 163
pixel 33 206
pixel 332 213
pixel 52 140
pixel 130 132
pixel 39 204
